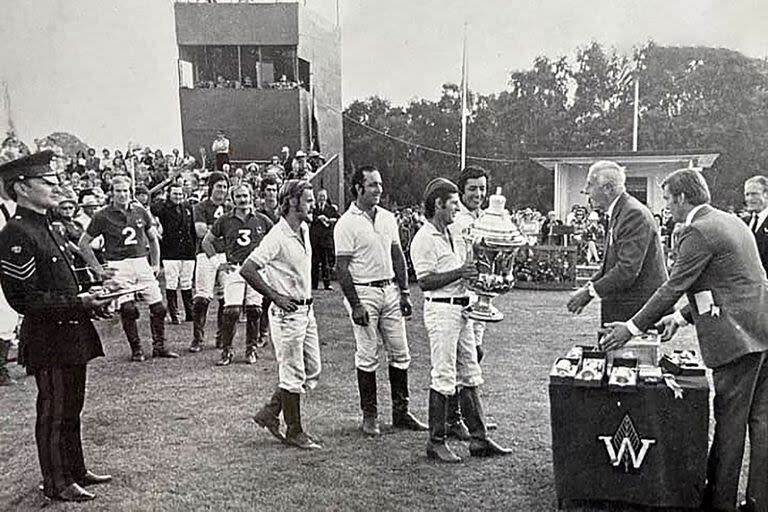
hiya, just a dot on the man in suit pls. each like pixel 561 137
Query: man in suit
pixel 756 199
pixel 633 263
pixel 321 235
pixel 719 270
pixel 57 337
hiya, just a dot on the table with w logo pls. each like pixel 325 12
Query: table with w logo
pixel 643 447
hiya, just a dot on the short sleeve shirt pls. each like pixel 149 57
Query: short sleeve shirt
pixel 286 257
pixel 368 242
pixel 124 231
pixel 240 236
pixel 462 222
pixel 433 252
pixel 207 211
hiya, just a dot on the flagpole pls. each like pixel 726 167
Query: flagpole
pixel 464 100
pixel 636 119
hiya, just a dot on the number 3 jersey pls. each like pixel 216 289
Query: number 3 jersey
pixel 124 230
pixel 241 235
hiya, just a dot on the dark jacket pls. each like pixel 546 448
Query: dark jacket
pixel 761 238
pixel 179 238
pixel 717 254
pixel 320 234
pixel 633 261
pixel 38 280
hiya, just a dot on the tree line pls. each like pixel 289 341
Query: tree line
pixel 690 98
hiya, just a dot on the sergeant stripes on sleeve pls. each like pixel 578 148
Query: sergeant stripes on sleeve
pixel 19 272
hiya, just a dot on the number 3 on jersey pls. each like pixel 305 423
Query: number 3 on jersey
pixel 244 237
pixel 130 236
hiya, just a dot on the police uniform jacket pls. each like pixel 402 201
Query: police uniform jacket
pixel 39 282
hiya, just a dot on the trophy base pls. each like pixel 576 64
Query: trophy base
pixel 486 313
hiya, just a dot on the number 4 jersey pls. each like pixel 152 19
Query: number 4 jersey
pixel 241 235
pixel 124 230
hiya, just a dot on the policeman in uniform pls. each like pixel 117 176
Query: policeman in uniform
pixel 128 230
pixel 372 274
pixel 241 230
pixel 57 336
pixel 441 272
pixel 205 214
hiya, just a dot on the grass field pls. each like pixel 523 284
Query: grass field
pixel 177 434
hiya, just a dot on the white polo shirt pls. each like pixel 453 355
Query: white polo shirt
pixel 433 252
pixel 462 221
pixel 369 243
pixel 286 258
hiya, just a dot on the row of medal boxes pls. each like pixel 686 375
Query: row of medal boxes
pixel 636 362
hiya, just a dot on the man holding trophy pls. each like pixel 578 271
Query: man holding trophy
pixel 441 271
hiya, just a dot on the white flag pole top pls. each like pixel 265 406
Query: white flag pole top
pixel 464 112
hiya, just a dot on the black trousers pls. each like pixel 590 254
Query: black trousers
pixel 322 263
pixel 60 397
pixel 741 404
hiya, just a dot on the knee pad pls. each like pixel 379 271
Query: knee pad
pixel 157 309
pixel 200 301
pixel 252 311
pixel 129 311
pixel 231 312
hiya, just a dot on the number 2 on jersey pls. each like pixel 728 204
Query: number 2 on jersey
pixel 130 236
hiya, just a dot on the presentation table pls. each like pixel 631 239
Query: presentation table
pixel 643 447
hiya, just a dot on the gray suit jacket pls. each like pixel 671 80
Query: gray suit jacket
pixel 633 262
pixel 717 254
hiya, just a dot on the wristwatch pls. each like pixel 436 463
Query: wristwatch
pixel 591 289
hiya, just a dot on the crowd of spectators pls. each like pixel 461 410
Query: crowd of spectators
pixel 88 173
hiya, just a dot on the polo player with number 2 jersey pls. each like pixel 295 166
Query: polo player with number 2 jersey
pixel 128 231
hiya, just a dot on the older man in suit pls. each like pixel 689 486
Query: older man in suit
pixel 719 270
pixel 633 263
pixel 756 199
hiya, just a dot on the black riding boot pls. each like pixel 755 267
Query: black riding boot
pixel 436 446
pixel 173 306
pixel 366 383
pixel 199 314
pixel 480 445
pixel 186 300
pixel 401 416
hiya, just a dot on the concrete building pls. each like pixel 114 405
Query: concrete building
pixel 645 172
pixel 268 75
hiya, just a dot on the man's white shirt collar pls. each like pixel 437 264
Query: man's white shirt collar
pixel 760 218
pixel 691 213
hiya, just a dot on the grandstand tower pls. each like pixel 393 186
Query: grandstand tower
pixel 268 74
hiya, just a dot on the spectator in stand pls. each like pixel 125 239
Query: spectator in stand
pixel 548 236
pixel 177 251
pixel 92 162
pixel 106 160
pixel 285 159
pixel 316 160
pixel 321 236
pixel 220 148
pixel 175 159
pixel 300 167
pixel 593 235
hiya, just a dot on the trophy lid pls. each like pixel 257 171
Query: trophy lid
pixel 496 226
